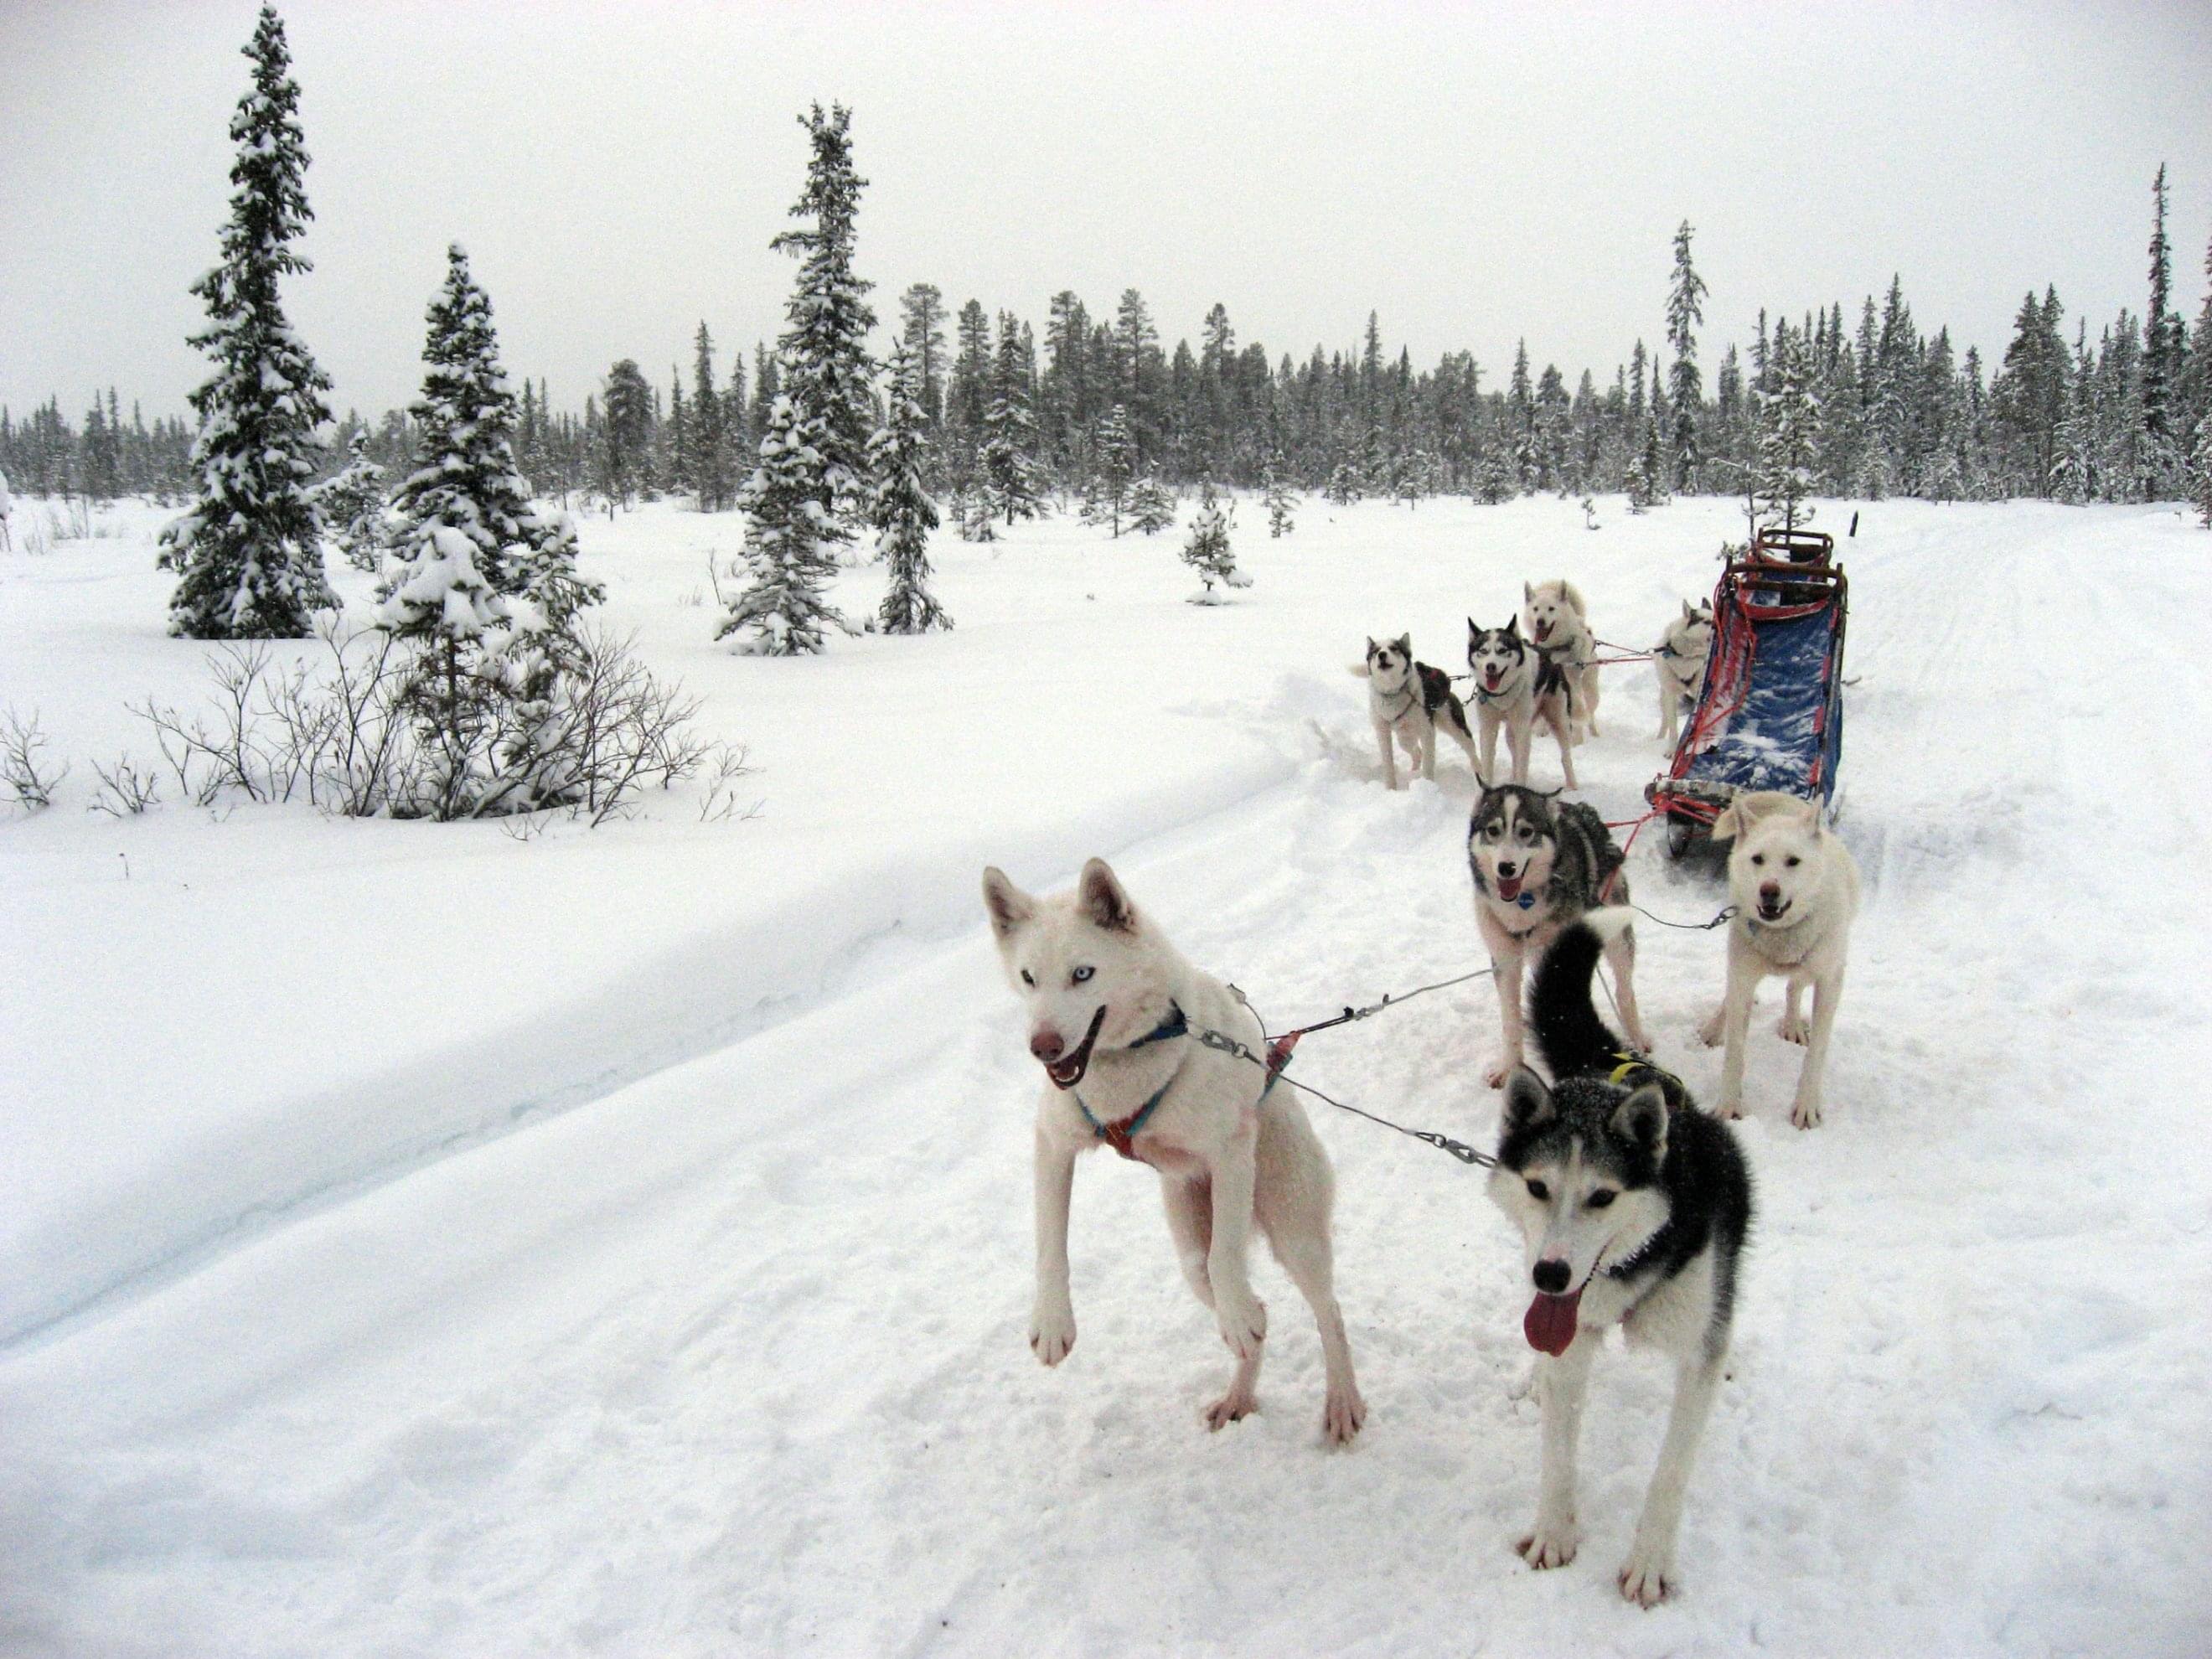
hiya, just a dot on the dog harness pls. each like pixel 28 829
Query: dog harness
pixel 1120 1135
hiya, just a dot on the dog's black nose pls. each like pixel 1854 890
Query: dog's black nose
pixel 1552 1276
pixel 1505 866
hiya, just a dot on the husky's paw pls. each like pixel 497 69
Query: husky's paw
pixel 1806 1113
pixel 1243 1322
pixel 1052 1331
pixel 1794 1028
pixel 1728 1108
pixel 1496 1076
pixel 1714 1030
pixel 1343 1415
pixel 1551 1544
pixel 1233 1407
pixel 1646 1578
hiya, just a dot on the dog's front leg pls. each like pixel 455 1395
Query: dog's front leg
pixel 1052 1325
pixel 1243 1319
pixel 1561 1385
pixel 1827 992
pixel 1620 956
pixel 1732 1025
pixel 1518 739
pixel 1668 706
pixel 1390 754
pixel 1505 968
pixel 1487 774
pixel 1426 743
pixel 1647 1575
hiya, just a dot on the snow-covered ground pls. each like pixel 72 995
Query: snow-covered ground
pixel 419 1240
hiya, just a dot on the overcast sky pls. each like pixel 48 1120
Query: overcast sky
pixel 1474 172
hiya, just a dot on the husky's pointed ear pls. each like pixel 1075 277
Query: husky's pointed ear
pixel 1405 643
pixel 1472 632
pixel 1513 627
pixel 1642 1120
pixel 1010 908
pixel 1103 899
pixel 1689 611
pixel 1528 592
pixel 1730 824
pixel 1371 645
pixel 1528 1101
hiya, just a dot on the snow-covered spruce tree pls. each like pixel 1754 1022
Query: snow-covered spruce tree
pixel 2200 472
pixel 1343 487
pixel 823 351
pixel 902 513
pixel 1108 500
pixel 1011 477
pixel 352 507
pixel 1684 310
pixel 1282 499
pixel 1151 505
pixel 249 553
pixel 621 464
pixel 791 538
pixel 1207 551
pixel 1647 472
pixel 466 481
pixel 1789 433
pixel 709 464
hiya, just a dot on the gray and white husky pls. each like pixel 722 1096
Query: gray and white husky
pixel 1633 1207
pixel 1538 864
pixel 1514 689
pixel 1559 630
pixel 1411 701
pixel 1680 657
pixel 1114 1014
pixel 1795 887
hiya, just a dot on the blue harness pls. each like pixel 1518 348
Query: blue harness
pixel 1119 1135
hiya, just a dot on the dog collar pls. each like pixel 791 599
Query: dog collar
pixel 1174 1025
pixel 1119 1135
pixel 1527 901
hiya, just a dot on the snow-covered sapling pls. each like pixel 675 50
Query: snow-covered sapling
pixel 1207 551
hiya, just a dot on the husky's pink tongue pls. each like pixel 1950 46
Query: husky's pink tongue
pixel 1509 887
pixel 1549 1324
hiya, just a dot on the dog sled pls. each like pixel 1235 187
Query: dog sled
pixel 1770 714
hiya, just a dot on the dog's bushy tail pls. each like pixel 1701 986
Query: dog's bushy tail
pixel 1564 1020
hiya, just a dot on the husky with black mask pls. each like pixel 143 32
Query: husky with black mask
pixel 1633 1207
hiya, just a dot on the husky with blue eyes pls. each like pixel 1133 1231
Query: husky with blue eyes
pixel 1114 1014
pixel 1633 1207
pixel 1539 863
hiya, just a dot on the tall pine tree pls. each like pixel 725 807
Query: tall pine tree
pixel 902 512
pixel 249 553
pixel 1684 311
pixel 824 347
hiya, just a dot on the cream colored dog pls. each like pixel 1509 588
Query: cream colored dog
pixel 1796 889
pixel 1114 1017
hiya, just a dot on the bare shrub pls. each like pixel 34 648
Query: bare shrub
pixel 24 772
pixel 124 791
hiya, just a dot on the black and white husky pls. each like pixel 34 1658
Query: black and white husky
pixel 1680 660
pixel 1514 689
pixel 1633 1207
pixel 1560 631
pixel 1538 864
pixel 1411 701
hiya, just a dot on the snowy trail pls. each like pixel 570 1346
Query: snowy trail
pixel 730 1357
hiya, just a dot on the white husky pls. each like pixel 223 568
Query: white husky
pixel 1680 657
pixel 1796 889
pixel 1558 627
pixel 1410 702
pixel 1113 1013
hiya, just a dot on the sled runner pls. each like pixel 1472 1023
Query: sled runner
pixel 1771 713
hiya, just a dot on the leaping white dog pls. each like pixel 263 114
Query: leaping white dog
pixel 1113 1013
pixel 1559 630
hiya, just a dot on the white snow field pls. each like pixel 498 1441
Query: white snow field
pixel 417 1240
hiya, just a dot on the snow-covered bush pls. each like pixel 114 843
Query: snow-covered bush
pixel 580 725
pixel 25 773
pixel 1208 551
pixel 1151 505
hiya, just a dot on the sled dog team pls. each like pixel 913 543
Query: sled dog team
pixel 1633 1205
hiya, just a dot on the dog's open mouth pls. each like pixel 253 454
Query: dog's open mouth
pixel 1769 911
pixel 1543 632
pixel 1509 887
pixel 1549 1324
pixel 1067 1071
pixel 1491 676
